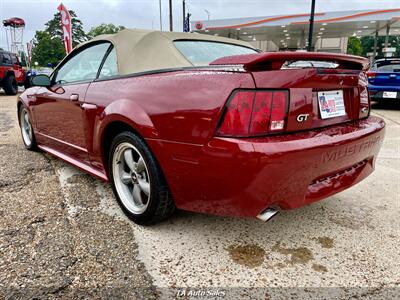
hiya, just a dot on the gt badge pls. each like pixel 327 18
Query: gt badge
pixel 302 118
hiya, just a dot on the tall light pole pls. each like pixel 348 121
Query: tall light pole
pixel 159 5
pixel 184 13
pixel 208 14
pixel 311 28
pixel 171 25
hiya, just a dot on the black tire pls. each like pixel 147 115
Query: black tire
pixel 160 203
pixel 32 146
pixel 27 82
pixel 10 85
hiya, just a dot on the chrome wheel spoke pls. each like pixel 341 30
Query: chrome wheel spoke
pixel 137 195
pixel 140 167
pixel 131 178
pixel 126 178
pixel 128 157
pixel 144 186
pixel 26 127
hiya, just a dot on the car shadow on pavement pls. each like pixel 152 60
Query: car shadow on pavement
pixel 386 104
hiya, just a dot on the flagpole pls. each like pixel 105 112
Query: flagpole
pixel 171 25
pixel 184 13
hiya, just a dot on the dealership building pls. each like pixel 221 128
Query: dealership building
pixel 290 32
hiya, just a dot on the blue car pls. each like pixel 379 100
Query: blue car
pixel 384 79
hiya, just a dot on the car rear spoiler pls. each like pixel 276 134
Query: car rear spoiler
pixel 275 60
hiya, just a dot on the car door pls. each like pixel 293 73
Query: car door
pixel 58 110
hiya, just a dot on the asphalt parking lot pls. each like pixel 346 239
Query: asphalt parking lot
pixel 63 235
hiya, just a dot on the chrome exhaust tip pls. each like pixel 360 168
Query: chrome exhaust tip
pixel 267 214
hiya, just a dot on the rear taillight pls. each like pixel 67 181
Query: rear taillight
pixel 364 96
pixel 253 113
pixel 371 75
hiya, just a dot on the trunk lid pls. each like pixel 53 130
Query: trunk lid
pixel 319 96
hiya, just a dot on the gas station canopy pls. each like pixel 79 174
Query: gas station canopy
pixel 291 31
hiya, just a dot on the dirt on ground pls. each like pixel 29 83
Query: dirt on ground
pixel 49 251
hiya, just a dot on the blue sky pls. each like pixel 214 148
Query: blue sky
pixel 145 13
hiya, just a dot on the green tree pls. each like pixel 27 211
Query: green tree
pixel 104 29
pixel 47 49
pixel 53 27
pixel 367 43
pixel 354 46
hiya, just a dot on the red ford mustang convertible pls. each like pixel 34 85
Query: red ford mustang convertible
pixel 206 124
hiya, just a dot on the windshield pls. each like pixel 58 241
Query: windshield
pixel 202 53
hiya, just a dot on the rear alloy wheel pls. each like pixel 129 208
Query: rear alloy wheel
pixel 10 85
pixel 28 136
pixel 137 180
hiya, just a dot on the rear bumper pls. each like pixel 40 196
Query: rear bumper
pixel 376 92
pixel 242 177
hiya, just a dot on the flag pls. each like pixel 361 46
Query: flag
pixel 28 50
pixel 66 27
pixel 186 26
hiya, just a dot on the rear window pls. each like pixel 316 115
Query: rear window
pixel 202 53
pixel 6 59
pixel 387 66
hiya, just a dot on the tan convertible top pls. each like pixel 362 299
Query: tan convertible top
pixel 146 50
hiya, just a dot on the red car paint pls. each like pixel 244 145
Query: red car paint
pixel 178 113
pixel 14 22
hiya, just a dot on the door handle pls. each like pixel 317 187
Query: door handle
pixel 74 97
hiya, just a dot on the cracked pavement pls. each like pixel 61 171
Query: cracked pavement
pixel 62 235
pixel 48 251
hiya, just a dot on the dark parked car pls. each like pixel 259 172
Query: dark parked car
pixel 384 79
pixel 204 123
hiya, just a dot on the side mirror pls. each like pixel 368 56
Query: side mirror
pixel 41 80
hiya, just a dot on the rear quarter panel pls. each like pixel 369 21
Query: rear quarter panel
pixel 182 107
